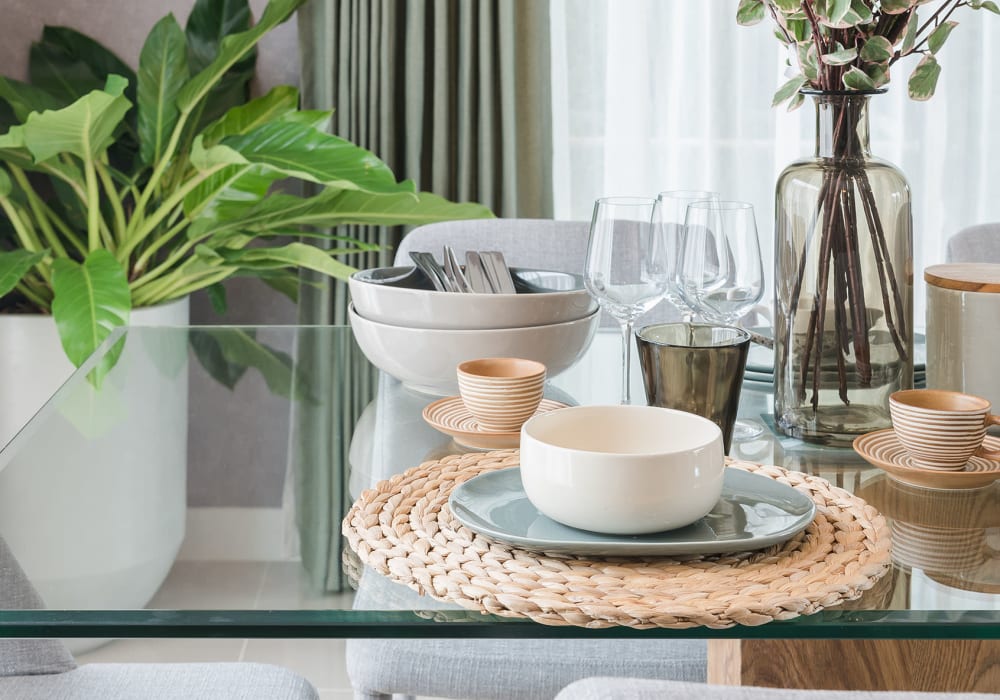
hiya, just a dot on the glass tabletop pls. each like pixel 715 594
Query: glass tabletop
pixel 206 453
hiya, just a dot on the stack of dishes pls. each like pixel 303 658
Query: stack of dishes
pixel 419 335
pixel 759 374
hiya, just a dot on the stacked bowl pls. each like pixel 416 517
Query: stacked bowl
pixel 419 335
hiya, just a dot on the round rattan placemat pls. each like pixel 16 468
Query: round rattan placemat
pixel 404 529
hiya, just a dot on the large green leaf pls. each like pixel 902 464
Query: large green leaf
pixel 910 35
pixel 14 265
pixel 209 23
pixel 226 193
pixel 234 48
pixel 336 207
pixel 924 78
pixel 84 128
pixel 90 300
pixel 750 12
pixel 877 49
pixel 840 56
pixel 896 7
pixel 279 102
pixel 293 255
pixel 857 79
pixel 25 99
pixel 940 35
pixel 297 150
pixel 163 70
pixel 788 89
pixel 69 64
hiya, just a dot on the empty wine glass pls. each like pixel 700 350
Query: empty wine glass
pixel 668 216
pixel 720 273
pixel 627 266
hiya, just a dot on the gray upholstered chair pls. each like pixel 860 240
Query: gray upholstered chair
pixel 507 669
pixel 636 689
pixel 42 669
pixel 980 243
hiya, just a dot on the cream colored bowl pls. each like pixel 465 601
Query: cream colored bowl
pixel 397 296
pixel 425 359
pixel 625 470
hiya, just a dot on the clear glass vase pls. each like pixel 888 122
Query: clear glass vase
pixel 843 281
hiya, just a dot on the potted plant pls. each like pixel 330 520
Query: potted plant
pixel 122 192
pixel 843 238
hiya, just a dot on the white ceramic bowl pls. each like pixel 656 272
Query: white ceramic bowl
pixel 425 359
pixel 624 470
pixel 399 297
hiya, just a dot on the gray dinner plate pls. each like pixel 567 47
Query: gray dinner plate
pixel 754 512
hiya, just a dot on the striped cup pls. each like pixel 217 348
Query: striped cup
pixel 501 392
pixel 941 429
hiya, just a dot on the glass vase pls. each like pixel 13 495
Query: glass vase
pixel 843 281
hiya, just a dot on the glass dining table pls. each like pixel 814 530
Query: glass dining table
pixel 228 443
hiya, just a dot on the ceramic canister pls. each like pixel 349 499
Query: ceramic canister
pixel 963 328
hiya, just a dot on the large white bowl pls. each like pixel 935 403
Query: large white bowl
pixel 401 297
pixel 624 470
pixel 425 359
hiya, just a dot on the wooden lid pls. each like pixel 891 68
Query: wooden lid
pixel 966 277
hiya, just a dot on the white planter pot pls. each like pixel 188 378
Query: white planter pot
pixel 101 533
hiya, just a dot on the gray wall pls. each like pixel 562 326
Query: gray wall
pixel 236 458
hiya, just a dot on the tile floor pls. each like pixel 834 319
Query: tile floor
pixel 261 585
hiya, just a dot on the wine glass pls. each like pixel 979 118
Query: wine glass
pixel 627 266
pixel 668 216
pixel 720 273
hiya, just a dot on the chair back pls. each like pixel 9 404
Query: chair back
pixel 980 243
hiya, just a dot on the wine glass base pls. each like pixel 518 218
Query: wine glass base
pixel 747 430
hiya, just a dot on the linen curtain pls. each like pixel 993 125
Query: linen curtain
pixel 453 94
pixel 671 94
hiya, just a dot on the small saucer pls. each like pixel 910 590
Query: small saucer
pixel 883 449
pixel 450 416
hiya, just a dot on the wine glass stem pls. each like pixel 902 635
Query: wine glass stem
pixel 626 361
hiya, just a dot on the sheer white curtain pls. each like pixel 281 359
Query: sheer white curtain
pixel 672 94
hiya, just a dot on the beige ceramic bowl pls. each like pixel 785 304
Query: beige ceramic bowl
pixel 387 295
pixel 425 359
pixel 624 470
pixel 501 392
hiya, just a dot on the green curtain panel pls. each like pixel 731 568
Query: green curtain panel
pixel 453 94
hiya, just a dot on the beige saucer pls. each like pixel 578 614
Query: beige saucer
pixel 451 417
pixel 883 449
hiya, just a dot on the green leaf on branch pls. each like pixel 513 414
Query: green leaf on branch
pixel 84 128
pixel 878 72
pixel 293 255
pixel 859 13
pixel 857 79
pixel 25 99
pixel 807 60
pixel 877 49
pixel 940 35
pixel 896 7
pixel 788 6
pixel 840 56
pixel 750 12
pixel 910 36
pixel 991 6
pixel 211 22
pixel 163 71
pixel 796 102
pixel 90 300
pixel 788 89
pixel 234 48
pixel 68 65
pixel 297 150
pixel 14 265
pixel 279 102
pixel 924 78
pixel 217 297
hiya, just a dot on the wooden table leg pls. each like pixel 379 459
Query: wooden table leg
pixel 857 664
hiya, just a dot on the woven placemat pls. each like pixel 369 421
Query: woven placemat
pixel 404 529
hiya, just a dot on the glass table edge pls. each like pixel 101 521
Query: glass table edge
pixel 442 624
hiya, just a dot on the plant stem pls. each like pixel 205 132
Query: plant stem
pixel 39 209
pixel 113 198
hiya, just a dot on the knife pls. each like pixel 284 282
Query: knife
pixel 451 260
pixel 475 274
pixel 504 282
